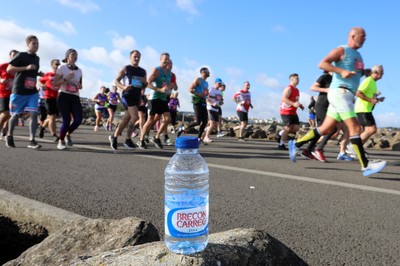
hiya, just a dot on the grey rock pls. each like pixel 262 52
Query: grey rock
pixel 87 237
pixel 396 146
pixel 384 143
pixel 235 247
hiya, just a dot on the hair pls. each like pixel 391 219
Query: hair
pixel 203 69
pixel 367 72
pixel 376 69
pixel 293 75
pixel 53 61
pixel 165 53
pixel 13 51
pixel 30 38
pixel 134 51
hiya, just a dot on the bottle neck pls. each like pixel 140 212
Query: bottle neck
pixel 187 151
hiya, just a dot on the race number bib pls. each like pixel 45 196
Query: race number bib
pixel 71 88
pixel 30 83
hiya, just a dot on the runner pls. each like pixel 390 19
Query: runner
pixel 220 133
pixel 113 98
pixel 367 98
pixel 6 83
pixel 100 107
pixel 243 100
pixel 50 96
pixel 133 86
pixel 311 112
pixel 213 100
pixel 173 109
pixel 69 79
pixel 161 76
pixel 347 65
pixel 199 91
pixel 24 97
pixel 288 110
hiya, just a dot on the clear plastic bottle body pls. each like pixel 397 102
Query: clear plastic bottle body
pixel 186 202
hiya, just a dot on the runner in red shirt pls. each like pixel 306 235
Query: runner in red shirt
pixel 50 96
pixel 6 82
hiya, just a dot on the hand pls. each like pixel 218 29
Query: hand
pixel 31 67
pixel 3 81
pixel 381 99
pixel 347 74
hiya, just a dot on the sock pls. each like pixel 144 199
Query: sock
pixel 311 135
pixel 359 149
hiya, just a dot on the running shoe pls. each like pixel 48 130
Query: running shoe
pixel 220 134
pixel 168 142
pixel 146 138
pixel 33 145
pixel 373 167
pixel 241 140
pixel 207 140
pixel 181 130
pixel 292 150
pixel 96 128
pixel 10 142
pixel 129 144
pixel 41 132
pixel 319 155
pixel 282 147
pixel 134 134
pixel 308 155
pixel 106 127
pixel 55 138
pixel 344 157
pixel 69 141
pixel 61 145
pixel 3 137
pixel 157 142
pixel 113 142
pixel 141 144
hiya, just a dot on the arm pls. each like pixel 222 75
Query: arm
pixel 285 98
pixel 153 76
pixel 13 69
pixel 193 85
pixel 362 96
pixel 317 88
pixel 334 56
pixel 118 78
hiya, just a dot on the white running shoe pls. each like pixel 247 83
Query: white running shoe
pixel 61 145
pixel 373 167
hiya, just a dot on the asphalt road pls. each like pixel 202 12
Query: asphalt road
pixel 328 213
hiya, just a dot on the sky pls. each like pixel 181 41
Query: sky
pixel 262 42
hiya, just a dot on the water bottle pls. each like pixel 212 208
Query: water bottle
pixel 186 199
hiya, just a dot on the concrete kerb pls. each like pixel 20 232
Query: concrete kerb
pixel 25 210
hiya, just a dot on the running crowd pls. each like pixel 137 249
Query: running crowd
pixel 23 89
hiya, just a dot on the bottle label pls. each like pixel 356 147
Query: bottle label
pixel 186 222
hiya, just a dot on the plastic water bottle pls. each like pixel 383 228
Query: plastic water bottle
pixel 186 199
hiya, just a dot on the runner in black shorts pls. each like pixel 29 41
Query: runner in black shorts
pixel 134 82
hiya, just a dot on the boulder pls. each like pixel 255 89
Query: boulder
pixel 384 143
pixel 396 146
pixel 235 247
pixel 87 237
pixel 258 134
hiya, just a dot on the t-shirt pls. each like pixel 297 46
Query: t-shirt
pixel 368 87
pixel 71 86
pixel 51 91
pixel 244 97
pixel 5 89
pixel 25 81
pixel 163 79
pixel 214 96
pixel 324 81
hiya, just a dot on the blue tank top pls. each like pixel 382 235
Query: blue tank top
pixel 113 98
pixel 200 89
pixel 352 61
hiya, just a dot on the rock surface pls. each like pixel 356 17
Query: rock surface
pixel 234 247
pixel 87 237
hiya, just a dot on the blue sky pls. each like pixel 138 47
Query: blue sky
pixel 259 41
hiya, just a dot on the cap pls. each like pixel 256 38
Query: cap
pixel 187 142
pixel 218 80
pixel 69 51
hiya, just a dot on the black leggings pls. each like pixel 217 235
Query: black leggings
pixel 201 113
pixel 69 105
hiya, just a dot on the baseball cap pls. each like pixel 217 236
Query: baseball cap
pixel 218 80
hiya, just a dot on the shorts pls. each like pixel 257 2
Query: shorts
pixel 311 116
pixel 366 119
pixel 219 110
pixel 213 115
pixel 51 106
pixel 142 109
pixel 4 104
pixel 131 97
pixel 20 103
pixel 243 117
pixel 158 106
pixel 112 107
pixel 289 120
pixel 341 104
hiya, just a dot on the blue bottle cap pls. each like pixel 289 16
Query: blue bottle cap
pixel 187 142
